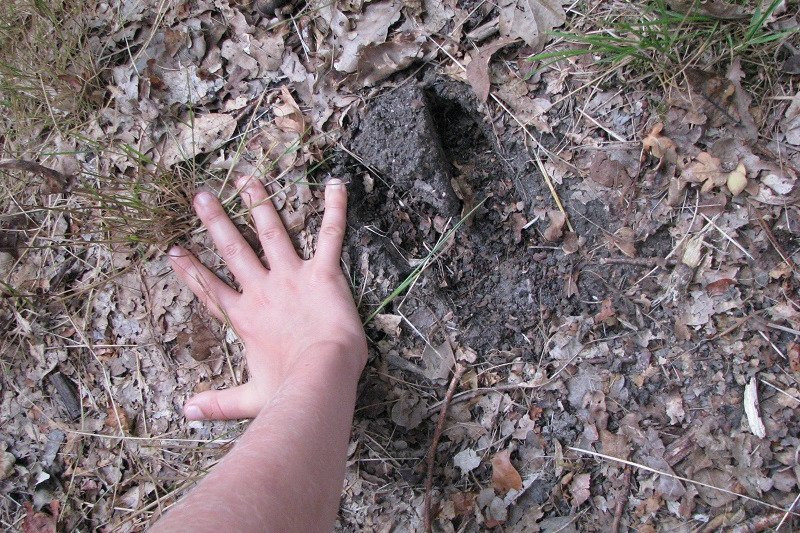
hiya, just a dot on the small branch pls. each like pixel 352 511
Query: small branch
pixel 437 434
pixel 759 523
pixel 775 244
pixel 56 181
pixel 622 499
pixel 637 261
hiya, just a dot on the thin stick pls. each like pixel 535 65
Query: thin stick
pixel 623 499
pixel 783 328
pixel 731 239
pixel 437 434
pixel 56 177
pixel 775 244
pixel 786 514
pixel 680 478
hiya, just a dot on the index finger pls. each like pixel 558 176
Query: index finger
pixel 334 223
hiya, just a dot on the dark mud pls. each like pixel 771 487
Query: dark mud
pixel 500 281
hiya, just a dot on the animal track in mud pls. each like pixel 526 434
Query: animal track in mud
pixel 496 281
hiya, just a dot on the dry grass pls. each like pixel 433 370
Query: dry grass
pixel 49 72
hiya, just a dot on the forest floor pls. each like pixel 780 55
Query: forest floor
pixel 585 213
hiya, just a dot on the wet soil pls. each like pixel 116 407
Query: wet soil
pixel 500 281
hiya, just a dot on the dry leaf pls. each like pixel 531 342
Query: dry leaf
pixel 463 503
pixel 478 68
pixel 660 146
pixel 530 20
pixel 606 312
pixel 389 324
pixel 623 240
pixel 718 9
pixel 379 61
pixel 751 409
pixel 675 410
pixel 7 461
pixel 438 360
pixel 370 28
pixel 705 169
pixel 615 445
pixel 504 476
pixel 288 116
pixel 40 522
pixel 202 135
pixel 793 354
pixel 716 478
pixel 467 460
pixel 579 488
pixel 556 227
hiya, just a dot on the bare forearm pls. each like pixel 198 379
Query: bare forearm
pixel 285 473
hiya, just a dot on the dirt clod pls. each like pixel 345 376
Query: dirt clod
pixel 399 139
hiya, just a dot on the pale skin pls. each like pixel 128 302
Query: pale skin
pixel 305 349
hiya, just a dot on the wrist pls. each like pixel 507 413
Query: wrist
pixel 343 361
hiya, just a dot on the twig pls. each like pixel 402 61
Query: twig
pixel 785 515
pixel 774 242
pixel 758 524
pixel 731 239
pixel 55 180
pixel 773 325
pixel 680 478
pixel 637 261
pixel 437 434
pixel 622 500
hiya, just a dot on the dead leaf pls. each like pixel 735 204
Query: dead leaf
pixel 438 360
pixel 288 116
pixel 751 409
pixel 504 476
pixel 615 445
pixel 7 461
pixel 579 489
pixel 199 136
pixel 40 522
pixel 478 68
pixel 660 146
pixel 389 324
pixel 675 410
pixel 623 240
pixel 556 227
pixel 530 20
pixel 737 180
pixel 715 478
pixel 606 312
pixel 369 28
pixel 117 419
pixel 376 62
pixel 718 9
pixel 793 354
pixel 705 169
pixel 467 460
pixel 463 503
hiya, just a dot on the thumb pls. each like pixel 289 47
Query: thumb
pixel 226 404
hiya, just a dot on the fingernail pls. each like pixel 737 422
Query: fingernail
pixel 175 251
pixel 204 198
pixel 243 182
pixel 192 412
pixel 334 183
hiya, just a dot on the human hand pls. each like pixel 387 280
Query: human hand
pixel 293 317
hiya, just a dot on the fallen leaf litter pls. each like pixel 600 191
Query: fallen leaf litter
pixel 645 333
